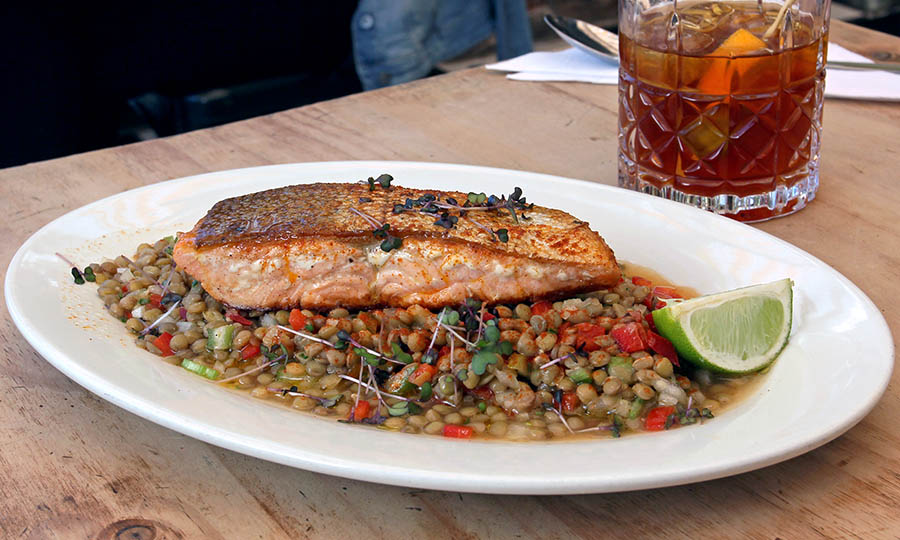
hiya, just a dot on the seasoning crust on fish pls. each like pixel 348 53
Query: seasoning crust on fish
pixel 313 246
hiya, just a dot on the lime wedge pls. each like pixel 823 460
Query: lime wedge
pixel 739 331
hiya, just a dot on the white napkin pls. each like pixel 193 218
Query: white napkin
pixel 578 66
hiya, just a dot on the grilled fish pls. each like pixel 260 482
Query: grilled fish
pixel 316 246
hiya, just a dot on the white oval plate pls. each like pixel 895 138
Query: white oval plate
pixel 832 373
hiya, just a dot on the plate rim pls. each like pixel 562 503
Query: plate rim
pixel 446 479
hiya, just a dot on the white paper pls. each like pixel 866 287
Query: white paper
pixel 573 65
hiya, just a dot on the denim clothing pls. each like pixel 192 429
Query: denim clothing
pixel 396 41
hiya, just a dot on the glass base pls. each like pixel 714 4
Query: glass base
pixel 793 192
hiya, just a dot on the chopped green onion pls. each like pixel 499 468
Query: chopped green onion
pixel 144 301
pixel 636 407
pixel 200 369
pixel 482 406
pixel 579 375
pixel 220 338
pixel 89 274
pixel 79 280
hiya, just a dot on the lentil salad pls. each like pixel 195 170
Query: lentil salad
pixel 589 365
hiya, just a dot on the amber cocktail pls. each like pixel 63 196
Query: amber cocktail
pixel 720 103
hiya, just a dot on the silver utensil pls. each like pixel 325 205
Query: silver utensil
pixel 597 41
pixel 585 36
pixel 863 66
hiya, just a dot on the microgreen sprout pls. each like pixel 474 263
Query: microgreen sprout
pixel 425 392
pixel 156 323
pixel 343 342
pixel 476 198
pixel 383 180
pixel 481 360
pixel 400 355
pixel 561 416
pixel 429 204
pixel 257 369
pixel 141 271
pixel 76 273
pixel 380 230
pixel 616 428
pixel 404 407
pixel 294 391
pixel 370 387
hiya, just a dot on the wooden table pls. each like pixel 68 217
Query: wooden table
pixel 74 466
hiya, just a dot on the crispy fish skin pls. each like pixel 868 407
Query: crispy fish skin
pixel 303 246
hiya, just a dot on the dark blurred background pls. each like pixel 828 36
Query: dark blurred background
pixel 88 75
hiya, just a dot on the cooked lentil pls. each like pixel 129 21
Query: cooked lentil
pixel 523 372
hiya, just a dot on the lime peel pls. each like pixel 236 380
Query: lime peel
pixel 734 332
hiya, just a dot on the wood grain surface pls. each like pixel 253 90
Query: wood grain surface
pixel 74 466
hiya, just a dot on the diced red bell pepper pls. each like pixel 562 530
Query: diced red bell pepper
pixel 650 322
pixel 162 343
pixel 297 319
pixel 236 317
pixel 656 418
pixel 458 432
pixel 569 402
pixel 484 393
pixel 249 351
pixel 630 337
pixel 641 282
pixel 663 346
pixel 665 292
pixel 488 317
pixel 423 374
pixel 541 307
pixel 361 412
pixel 586 338
pixel 653 301
pixel 155 300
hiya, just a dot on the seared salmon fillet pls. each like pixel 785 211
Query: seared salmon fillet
pixel 314 246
